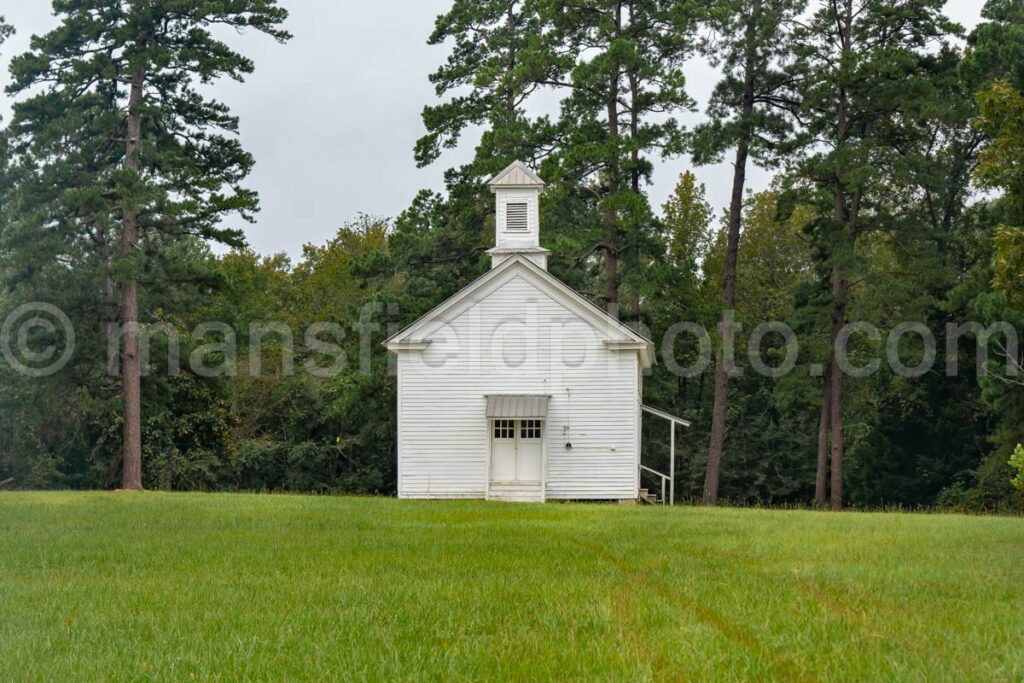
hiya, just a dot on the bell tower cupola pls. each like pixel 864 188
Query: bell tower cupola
pixel 517 226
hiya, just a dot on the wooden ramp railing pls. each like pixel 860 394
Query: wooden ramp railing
pixel 645 494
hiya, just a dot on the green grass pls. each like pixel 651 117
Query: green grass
pixel 177 587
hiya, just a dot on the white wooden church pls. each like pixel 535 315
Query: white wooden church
pixel 517 387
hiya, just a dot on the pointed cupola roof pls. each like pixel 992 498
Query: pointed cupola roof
pixel 516 175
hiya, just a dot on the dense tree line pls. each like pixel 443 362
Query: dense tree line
pixel 894 140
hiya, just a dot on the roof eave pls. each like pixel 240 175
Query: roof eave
pixel 409 345
pixel 644 349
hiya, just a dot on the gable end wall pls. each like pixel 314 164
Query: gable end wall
pixel 518 340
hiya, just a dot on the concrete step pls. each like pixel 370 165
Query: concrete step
pixel 516 491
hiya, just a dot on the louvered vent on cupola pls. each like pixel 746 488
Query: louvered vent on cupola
pixel 516 218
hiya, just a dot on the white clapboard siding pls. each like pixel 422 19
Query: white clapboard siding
pixel 518 340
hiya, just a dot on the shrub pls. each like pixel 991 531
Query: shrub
pixel 1017 462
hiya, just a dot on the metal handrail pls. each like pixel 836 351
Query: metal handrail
pixel 673 421
pixel 665 480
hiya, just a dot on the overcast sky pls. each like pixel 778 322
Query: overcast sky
pixel 332 116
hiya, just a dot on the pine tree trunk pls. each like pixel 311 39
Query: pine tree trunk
pixel 713 473
pixel 839 286
pixel 510 25
pixel 843 230
pixel 835 374
pixel 611 274
pixel 130 371
pixel 611 256
pixel 634 309
pixel 634 124
pixel 720 407
pixel 821 475
pixel 634 171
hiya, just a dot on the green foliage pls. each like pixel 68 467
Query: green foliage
pixel 1017 462
pixel 776 261
pixel 751 43
pixel 500 55
pixel 1002 120
pixel 1008 264
pixel 772 421
pixel 996 50
pixel 686 218
pixel 297 430
pixel 671 290
pixel 73 87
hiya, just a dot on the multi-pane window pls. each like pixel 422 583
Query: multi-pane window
pixel 504 429
pixel 529 429
pixel 515 217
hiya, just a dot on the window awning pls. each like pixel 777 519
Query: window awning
pixel 517 406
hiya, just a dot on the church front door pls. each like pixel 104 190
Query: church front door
pixel 517 451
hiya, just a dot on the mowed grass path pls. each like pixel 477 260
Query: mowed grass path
pixel 153 586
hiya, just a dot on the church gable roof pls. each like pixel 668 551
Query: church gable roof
pixel 617 335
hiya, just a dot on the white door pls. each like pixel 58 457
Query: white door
pixel 529 453
pixel 503 451
pixel 517 450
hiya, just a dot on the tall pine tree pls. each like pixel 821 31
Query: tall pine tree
pixel 623 95
pixel 751 113
pixel 122 152
pixel 500 57
pixel 864 82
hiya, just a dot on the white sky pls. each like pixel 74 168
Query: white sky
pixel 332 116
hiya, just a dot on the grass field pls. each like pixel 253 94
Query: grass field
pixel 174 587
